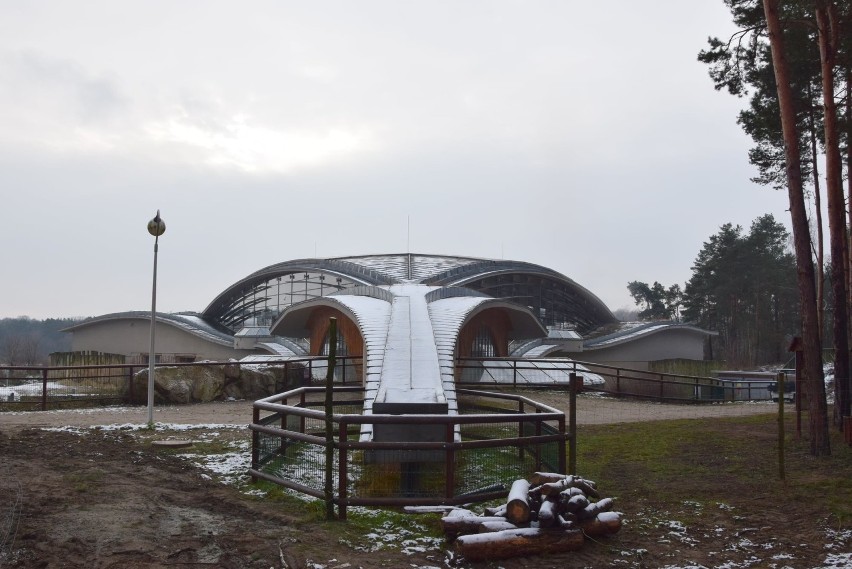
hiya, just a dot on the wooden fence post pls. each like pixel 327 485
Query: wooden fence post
pixel 572 423
pixel 781 379
pixel 329 420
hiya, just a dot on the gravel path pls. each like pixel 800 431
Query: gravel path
pixel 592 410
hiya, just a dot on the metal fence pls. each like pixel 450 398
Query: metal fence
pixel 26 388
pixel 611 380
pixel 31 388
pixel 495 439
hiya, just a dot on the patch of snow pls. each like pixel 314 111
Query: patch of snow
pixel 837 561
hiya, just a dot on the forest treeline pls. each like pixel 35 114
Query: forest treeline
pixel 27 341
pixel 743 287
pixel 792 59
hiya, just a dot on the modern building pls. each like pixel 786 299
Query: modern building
pixel 440 307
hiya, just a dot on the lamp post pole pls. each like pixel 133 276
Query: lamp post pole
pixel 156 227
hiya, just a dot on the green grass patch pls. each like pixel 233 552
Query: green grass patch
pixel 83 481
pixel 709 461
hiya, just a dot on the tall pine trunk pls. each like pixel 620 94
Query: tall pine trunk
pixel 820 255
pixel 826 18
pixel 843 389
pixel 812 364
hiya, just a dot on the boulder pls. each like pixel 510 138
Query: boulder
pixel 192 384
pixel 200 384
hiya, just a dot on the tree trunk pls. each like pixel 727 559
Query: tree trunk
pixel 812 357
pixel 820 254
pixel 843 389
pixel 826 18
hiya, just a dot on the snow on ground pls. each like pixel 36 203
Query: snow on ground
pixel 406 534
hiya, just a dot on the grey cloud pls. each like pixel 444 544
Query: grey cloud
pixel 65 83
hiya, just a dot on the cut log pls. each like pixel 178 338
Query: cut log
pixel 518 542
pixel 605 523
pixel 518 506
pixel 569 493
pixel 576 504
pixel 460 525
pixel 588 487
pixel 499 511
pixel 567 521
pixel 539 478
pixel 547 514
pixel 496 526
pixel 595 508
pixel 554 488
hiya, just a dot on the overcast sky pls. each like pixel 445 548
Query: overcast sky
pixel 583 136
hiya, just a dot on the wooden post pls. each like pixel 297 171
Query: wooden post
pixel 572 422
pixel 44 389
pixel 131 389
pixel 797 347
pixel 329 420
pixel 450 463
pixel 782 379
pixel 342 479
pixel 521 430
pixel 255 443
pixel 563 464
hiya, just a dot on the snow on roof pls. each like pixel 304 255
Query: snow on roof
pixel 410 267
pixel 554 370
pixel 278 349
pixel 447 316
pixel 188 322
pixel 372 316
pixel 563 334
pixel 411 372
pixel 540 350
pixel 253 332
pixel 633 330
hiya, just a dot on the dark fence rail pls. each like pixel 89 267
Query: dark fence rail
pixel 37 387
pixel 41 388
pixel 611 380
pixel 471 456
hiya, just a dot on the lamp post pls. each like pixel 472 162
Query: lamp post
pixel 156 227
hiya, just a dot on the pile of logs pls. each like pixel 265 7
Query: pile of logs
pixel 550 513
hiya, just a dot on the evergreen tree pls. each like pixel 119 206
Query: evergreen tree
pixel 657 302
pixel 743 286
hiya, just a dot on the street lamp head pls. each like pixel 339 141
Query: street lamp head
pixel 157 226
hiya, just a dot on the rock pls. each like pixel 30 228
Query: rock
pixel 203 383
pixel 191 384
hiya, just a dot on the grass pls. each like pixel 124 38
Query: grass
pixel 84 481
pixel 710 460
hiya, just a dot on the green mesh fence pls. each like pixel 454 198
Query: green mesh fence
pixel 388 473
pixel 296 461
pixel 396 473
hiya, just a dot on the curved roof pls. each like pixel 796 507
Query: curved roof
pixel 553 297
pixel 630 333
pixel 188 322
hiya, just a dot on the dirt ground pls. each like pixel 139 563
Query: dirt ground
pixel 110 499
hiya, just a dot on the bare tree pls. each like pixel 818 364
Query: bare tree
pixel 31 349
pixel 11 349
